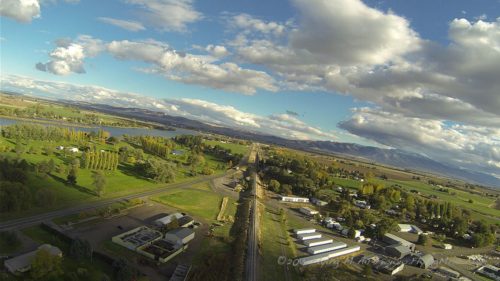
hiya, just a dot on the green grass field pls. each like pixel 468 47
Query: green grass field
pixel 273 245
pixel 199 203
pixel 234 147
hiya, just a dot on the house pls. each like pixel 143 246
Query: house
pixel 345 232
pixel 410 228
pixel 304 230
pixel 425 261
pixel 390 268
pixel 490 271
pixel 167 219
pixel 308 236
pixel 294 199
pixel 73 149
pixel 397 251
pixel 328 255
pixel 447 246
pixel 362 204
pixel 326 248
pixel 60 147
pixel 180 236
pixel 318 202
pixel 392 239
pixel 22 263
pixel 308 211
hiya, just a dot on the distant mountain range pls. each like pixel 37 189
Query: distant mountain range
pixel 391 157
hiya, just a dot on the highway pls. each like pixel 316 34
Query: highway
pixel 36 219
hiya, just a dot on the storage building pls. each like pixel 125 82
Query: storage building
pixel 326 248
pixel 448 272
pixel 397 251
pixel 308 211
pixel 392 239
pixel 308 236
pixel 294 199
pixel 328 255
pixel 317 242
pixel 180 235
pixel 304 230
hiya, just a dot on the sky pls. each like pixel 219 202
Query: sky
pixel 416 75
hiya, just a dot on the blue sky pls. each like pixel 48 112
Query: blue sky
pixel 401 74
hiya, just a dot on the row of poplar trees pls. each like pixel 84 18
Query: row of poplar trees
pixel 100 160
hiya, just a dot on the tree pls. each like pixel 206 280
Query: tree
pixel 45 265
pixel 122 271
pixel 99 181
pixel 80 249
pixel 423 240
pixel 48 150
pixel 274 185
pixel 19 149
pixel 72 175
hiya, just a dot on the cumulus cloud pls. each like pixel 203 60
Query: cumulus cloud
pixel 68 56
pixel 125 24
pixel 471 147
pixel 20 10
pixel 281 125
pixel 217 50
pixel 186 68
pixel 250 24
pixel 349 32
pixel 168 15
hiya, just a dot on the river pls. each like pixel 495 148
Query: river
pixel 114 131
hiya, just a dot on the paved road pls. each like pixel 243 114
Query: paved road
pixel 36 219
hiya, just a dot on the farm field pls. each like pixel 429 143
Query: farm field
pixel 234 147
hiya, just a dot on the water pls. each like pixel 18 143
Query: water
pixel 114 131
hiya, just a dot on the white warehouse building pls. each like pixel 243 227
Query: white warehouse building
pixel 326 248
pixel 304 230
pixel 317 242
pixel 294 199
pixel 308 211
pixel 309 236
pixel 328 255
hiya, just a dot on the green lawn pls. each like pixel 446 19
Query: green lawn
pixel 9 242
pixel 234 147
pixel 199 203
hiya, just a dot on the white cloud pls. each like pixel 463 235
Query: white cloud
pixel 168 15
pixel 472 147
pixel 177 66
pixel 251 24
pixel 217 50
pixel 222 115
pixel 67 57
pixel 350 33
pixel 20 10
pixel 125 24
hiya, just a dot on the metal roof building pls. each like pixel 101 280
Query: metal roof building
pixel 317 242
pixel 326 248
pixel 22 263
pixel 392 239
pixel 425 261
pixel 328 255
pixel 180 235
pixel 304 230
pixel 309 236
pixel 397 251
